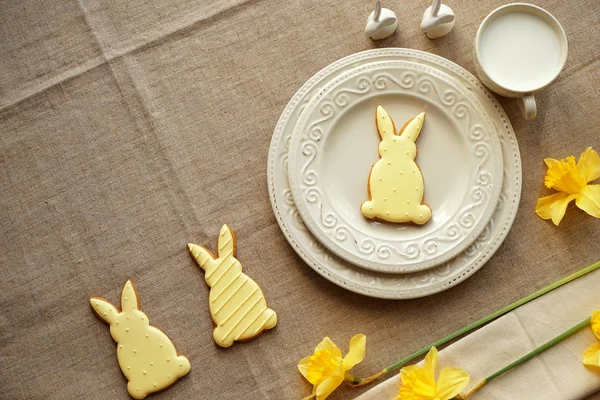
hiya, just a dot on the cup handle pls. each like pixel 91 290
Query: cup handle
pixel 527 106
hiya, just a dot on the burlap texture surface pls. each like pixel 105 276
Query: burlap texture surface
pixel 128 129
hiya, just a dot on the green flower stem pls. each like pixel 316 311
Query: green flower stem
pixel 542 348
pixel 365 381
pixel 529 356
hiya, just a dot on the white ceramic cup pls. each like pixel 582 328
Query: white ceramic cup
pixel 519 50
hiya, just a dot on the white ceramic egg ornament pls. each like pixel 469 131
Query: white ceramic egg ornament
pixel 438 20
pixel 381 23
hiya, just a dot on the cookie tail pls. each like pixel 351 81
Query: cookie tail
pixel 272 320
pixel 184 366
pixel 367 209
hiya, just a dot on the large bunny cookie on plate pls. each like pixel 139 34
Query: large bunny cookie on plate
pixel 396 183
pixel 146 355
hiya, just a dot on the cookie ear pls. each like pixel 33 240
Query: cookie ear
pixel 201 255
pixel 412 130
pixel 385 124
pixel 104 309
pixel 226 245
pixel 129 298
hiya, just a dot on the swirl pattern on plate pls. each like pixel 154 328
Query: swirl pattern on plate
pixel 374 284
pixel 397 254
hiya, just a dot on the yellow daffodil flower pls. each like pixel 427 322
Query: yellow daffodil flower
pixel 418 383
pixel 591 356
pixel 571 180
pixel 326 368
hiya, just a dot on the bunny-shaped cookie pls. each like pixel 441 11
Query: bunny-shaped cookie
pixel 395 183
pixel 146 356
pixel 237 305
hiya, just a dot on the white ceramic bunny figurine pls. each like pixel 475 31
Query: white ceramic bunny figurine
pixel 146 355
pixel 438 20
pixel 381 23
pixel 395 183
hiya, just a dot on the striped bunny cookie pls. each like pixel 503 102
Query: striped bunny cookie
pixel 237 305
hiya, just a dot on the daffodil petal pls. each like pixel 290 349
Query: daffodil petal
pixel 451 382
pixel 542 208
pixel 417 384
pixel 550 161
pixel 595 323
pixel 559 207
pixel 312 396
pixel 327 345
pixel 356 351
pixel 326 387
pixel 589 200
pixel 591 354
pixel 303 368
pixel 431 362
pixel 589 165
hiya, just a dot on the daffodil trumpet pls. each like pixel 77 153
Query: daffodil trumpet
pixel 357 382
pixel 526 357
pixel 420 383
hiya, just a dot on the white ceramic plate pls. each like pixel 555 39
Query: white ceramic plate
pixel 335 143
pixel 376 284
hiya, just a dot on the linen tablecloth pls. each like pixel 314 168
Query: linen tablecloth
pixel 557 373
pixel 128 129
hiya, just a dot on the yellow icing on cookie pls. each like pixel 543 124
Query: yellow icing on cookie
pixel 146 356
pixel 237 305
pixel 395 183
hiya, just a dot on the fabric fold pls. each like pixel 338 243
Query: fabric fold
pixel 557 374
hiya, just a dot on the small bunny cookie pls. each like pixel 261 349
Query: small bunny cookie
pixel 237 305
pixel 146 356
pixel 396 183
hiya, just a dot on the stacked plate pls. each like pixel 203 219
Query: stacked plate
pixel 326 142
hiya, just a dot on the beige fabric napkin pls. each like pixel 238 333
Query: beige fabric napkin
pixel 557 374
